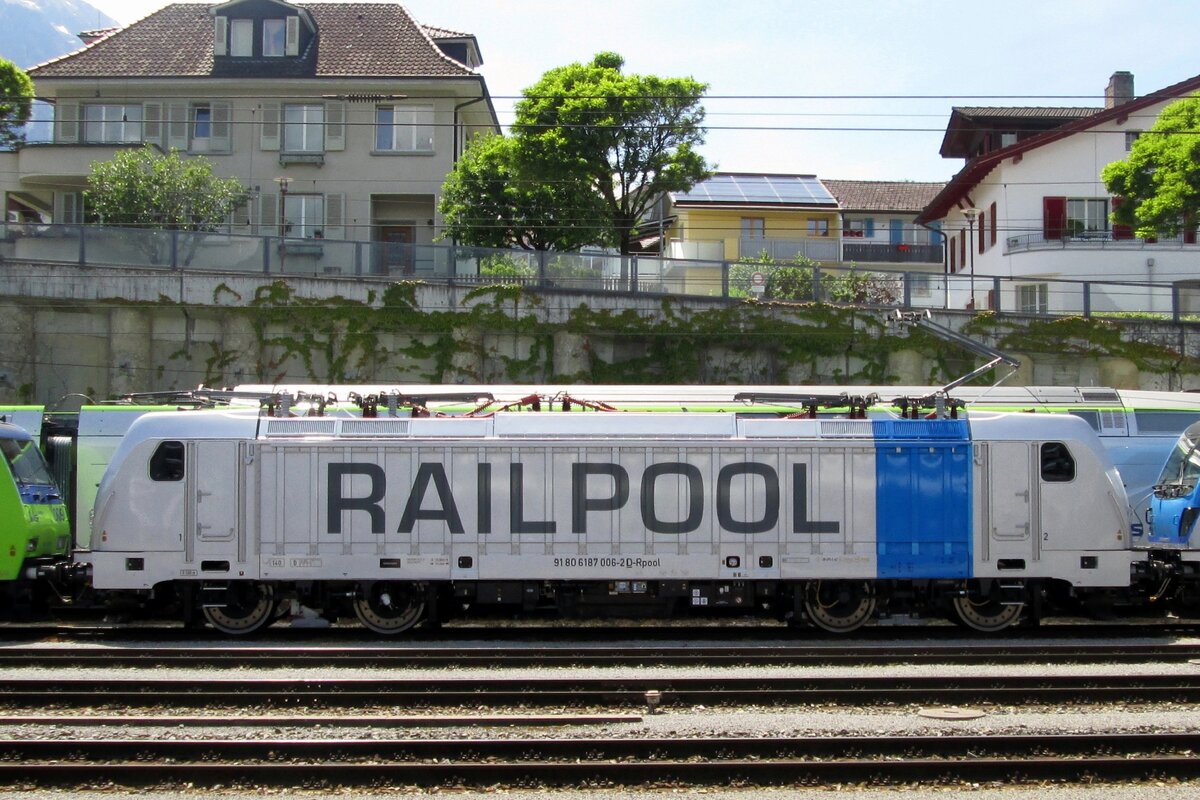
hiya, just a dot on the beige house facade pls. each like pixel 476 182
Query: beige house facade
pixel 342 120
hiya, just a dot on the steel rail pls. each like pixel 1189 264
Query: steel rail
pixel 627 762
pixel 665 632
pixel 644 655
pixel 583 692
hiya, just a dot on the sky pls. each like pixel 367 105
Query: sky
pixel 852 89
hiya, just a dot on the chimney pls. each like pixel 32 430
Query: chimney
pixel 1120 89
pixel 87 37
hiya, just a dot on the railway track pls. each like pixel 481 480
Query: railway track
pixel 82 763
pixel 753 655
pixel 594 693
pixel 448 654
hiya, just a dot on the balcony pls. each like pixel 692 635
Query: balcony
pixel 818 249
pixel 879 253
pixel 63 164
pixel 1092 240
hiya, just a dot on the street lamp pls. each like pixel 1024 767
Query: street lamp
pixel 972 214
pixel 283 182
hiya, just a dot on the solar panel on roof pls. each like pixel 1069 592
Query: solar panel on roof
pixel 790 189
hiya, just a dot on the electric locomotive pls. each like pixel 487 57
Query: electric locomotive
pixel 238 518
pixel 35 531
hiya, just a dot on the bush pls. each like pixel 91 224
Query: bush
pixel 508 268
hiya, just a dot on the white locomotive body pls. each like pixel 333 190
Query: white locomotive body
pixel 829 520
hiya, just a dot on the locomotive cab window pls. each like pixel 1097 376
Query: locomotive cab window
pixel 1058 465
pixel 167 462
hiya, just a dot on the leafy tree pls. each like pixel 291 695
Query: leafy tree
pixel 487 201
pixel 16 103
pixel 1160 179
pixel 146 189
pixel 625 138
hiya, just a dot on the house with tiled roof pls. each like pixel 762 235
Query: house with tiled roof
pixel 838 224
pixel 1029 205
pixel 879 224
pixel 342 118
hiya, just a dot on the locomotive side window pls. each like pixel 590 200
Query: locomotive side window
pixel 1058 465
pixel 167 462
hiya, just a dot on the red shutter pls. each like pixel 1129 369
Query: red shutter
pixel 992 217
pixel 1054 217
pixel 979 246
pixel 953 259
pixel 1120 232
pixel 962 247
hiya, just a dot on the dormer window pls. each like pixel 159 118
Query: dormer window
pixel 274 40
pixel 251 37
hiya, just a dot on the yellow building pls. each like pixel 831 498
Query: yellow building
pixel 733 215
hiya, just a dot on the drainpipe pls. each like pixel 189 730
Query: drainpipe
pixel 454 128
pixel 479 99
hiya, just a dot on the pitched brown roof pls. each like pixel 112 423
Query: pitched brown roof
pixel 974 171
pixel 1019 112
pixel 355 40
pixel 908 196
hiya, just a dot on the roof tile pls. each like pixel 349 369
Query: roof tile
pixel 909 196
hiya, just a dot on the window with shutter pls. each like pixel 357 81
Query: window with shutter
pixel 268 214
pixel 177 126
pixel 1054 217
pixel 980 246
pixel 240 218
pixel 68 208
pixel 335 126
pixel 220 140
pixel 152 123
pixel 292 38
pixel 992 217
pixel 66 122
pixel 335 216
pixel 269 133
pixel 220 36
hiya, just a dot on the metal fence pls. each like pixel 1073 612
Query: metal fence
pixel 98 246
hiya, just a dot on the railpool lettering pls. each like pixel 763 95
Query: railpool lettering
pixel 432 497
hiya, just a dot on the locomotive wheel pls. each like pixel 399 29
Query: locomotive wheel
pixel 985 613
pixel 839 606
pixel 249 607
pixel 387 607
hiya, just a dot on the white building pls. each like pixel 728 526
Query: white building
pixel 1029 204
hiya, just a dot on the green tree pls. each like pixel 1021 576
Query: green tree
pixel 16 103
pixel 146 189
pixel 626 138
pixel 1159 182
pixel 488 202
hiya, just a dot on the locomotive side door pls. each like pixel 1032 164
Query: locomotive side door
pixel 1011 503
pixel 216 507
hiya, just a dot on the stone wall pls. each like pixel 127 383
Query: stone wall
pixel 104 332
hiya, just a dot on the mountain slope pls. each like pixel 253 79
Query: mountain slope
pixel 33 31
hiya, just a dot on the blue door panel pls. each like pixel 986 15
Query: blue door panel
pixel 923 507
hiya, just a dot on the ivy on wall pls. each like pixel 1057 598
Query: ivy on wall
pixel 504 333
pixel 339 340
